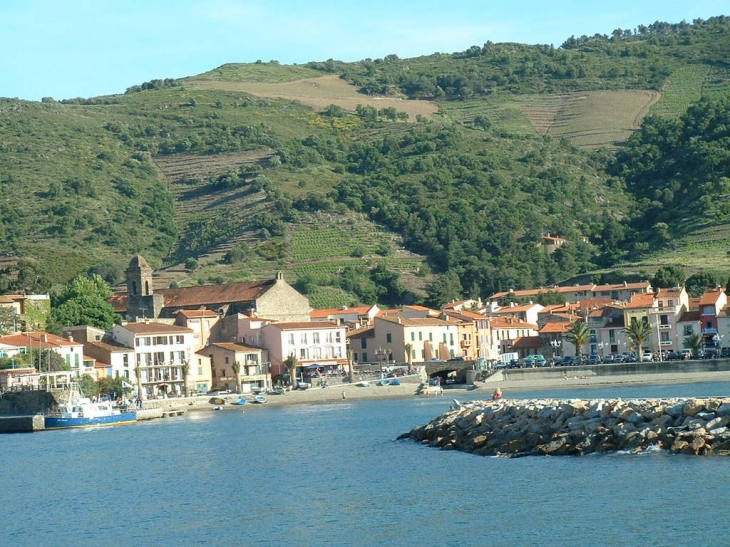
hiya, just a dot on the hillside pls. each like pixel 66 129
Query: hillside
pixel 338 173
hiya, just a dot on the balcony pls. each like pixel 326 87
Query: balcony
pixel 465 344
pixel 709 330
pixel 665 326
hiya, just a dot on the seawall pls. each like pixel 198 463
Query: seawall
pixel 576 427
pixel 625 370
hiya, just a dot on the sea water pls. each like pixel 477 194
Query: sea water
pixel 334 474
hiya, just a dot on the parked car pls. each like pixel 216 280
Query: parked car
pixel 687 353
pixel 594 360
pixel 539 360
pixel 724 353
pixel 674 356
pixel 647 357
pixel 610 358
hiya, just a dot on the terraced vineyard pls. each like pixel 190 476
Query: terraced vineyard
pixel 683 88
pixel 590 119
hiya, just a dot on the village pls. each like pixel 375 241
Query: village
pixel 245 337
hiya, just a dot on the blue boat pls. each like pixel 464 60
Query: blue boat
pixel 82 412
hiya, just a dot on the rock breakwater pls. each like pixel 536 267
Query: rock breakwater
pixel 514 428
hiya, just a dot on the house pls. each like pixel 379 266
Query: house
pixel 252 374
pixel 319 343
pixel 22 312
pixel 272 298
pixel 507 330
pixel 203 323
pixel 163 360
pixel 428 337
pixel 43 343
pixel 361 343
pixel 711 303
pixel 477 343
pixel 620 292
pixel 352 317
pixel 526 312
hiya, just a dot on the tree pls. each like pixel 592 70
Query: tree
pixel 668 276
pixel 693 342
pixel 236 368
pixel 638 332
pixel 445 289
pixel 698 283
pixel 291 365
pixel 578 335
pixel 84 301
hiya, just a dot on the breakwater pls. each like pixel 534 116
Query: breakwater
pixel 514 428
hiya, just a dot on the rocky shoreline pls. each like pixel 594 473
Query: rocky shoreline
pixel 514 428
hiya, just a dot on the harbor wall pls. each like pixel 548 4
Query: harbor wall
pixel 618 369
pixel 21 424
pixel 575 427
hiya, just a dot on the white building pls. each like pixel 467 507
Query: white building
pixel 161 355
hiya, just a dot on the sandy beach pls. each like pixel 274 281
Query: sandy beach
pixel 511 389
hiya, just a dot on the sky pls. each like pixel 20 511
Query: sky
pixel 87 48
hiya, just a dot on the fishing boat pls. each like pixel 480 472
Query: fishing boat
pixel 259 399
pixel 239 401
pixel 80 411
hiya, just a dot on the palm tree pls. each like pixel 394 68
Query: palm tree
pixel 409 356
pixel 185 369
pixel 693 342
pixel 638 332
pixel 578 335
pixel 236 367
pixel 291 365
pixel 138 375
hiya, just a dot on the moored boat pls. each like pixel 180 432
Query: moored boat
pixel 80 411
pixel 259 399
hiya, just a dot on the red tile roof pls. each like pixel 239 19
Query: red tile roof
pixel 526 342
pixel 556 327
pixel 710 298
pixel 230 346
pixel 155 328
pixel 202 295
pixel 197 313
pixel 301 325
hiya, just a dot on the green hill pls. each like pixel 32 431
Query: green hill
pixel 338 173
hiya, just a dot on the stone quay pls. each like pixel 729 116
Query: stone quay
pixel 573 427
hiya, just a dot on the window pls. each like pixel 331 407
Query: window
pixel 364 357
pixel 125 360
pixel 420 336
pixel 291 338
pixel 612 336
pixel 671 303
pixel 303 353
pixel 413 336
pixel 227 360
pixel 665 337
pixel 451 338
pixel 363 343
pixel 303 338
pixel 389 338
pixel 328 337
pixel 337 337
pixel 179 339
pixel 315 338
pixel 200 371
pixel 664 320
pixel 430 336
pixel 688 330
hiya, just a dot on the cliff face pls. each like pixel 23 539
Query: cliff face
pixel 514 428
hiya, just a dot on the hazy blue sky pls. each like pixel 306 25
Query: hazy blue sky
pixel 85 48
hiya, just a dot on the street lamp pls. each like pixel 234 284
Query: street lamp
pixel 556 346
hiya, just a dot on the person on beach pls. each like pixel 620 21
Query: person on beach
pixel 497 395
